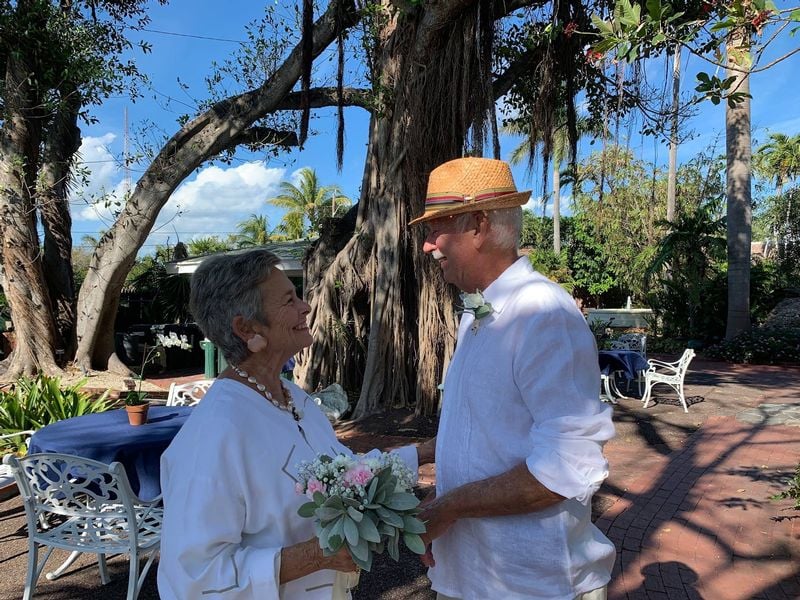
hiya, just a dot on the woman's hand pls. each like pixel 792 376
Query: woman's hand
pixel 341 561
pixel 306 557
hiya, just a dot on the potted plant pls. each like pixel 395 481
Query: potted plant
pixel 137 405
pixel 136 401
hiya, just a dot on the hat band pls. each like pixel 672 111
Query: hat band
pixel 451 199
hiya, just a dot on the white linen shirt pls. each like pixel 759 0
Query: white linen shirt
pixel 228 480
pixel 524 387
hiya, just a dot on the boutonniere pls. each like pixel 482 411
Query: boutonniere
pixel 477 305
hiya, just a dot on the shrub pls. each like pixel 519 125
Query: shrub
pixel 793 491
pixel 35 402
pixel 764 346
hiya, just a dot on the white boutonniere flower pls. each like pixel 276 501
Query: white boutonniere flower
pixel 477 305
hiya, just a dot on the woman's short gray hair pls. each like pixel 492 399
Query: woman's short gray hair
pixel 227 286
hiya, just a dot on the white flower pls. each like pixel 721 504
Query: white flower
pixel 477 305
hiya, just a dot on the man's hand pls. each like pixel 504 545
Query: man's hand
pixel 426 451
pixel 438 518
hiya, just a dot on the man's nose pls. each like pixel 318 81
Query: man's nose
pixel 428 246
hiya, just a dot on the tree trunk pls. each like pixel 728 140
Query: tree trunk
pixel 219 128
pixel 556 207
pixel 672 172
pixel 738 149
pixel 382 314
pixel 63 141
pixel 25 289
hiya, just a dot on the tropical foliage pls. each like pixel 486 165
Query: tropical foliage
pixel 32 403
pixel 307 204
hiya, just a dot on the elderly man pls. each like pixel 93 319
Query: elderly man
pixel 519 447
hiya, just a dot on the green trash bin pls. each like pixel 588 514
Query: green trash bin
pixel 209 351
pixel 222 364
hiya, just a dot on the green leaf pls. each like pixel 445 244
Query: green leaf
pixel 794 15
pixel 414 543
pixel 335 543
pixel 334 502
pixel 368 531
pixel 393 546
pixel 365 564
pixel 413 525
pixel 325 513
pixel 307 509
pixel 355 514
pixel 654 9
pixel 351 531
pixel 373 487
pixel 359 550
pixel 390 517
pixel 385 529
pixel 401 501
pixel 318 498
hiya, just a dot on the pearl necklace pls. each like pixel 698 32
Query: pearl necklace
pixel 287 396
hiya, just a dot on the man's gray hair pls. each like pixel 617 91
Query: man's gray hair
pixel 505 226
pixel 227 286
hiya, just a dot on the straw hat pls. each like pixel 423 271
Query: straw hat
pixel 470 184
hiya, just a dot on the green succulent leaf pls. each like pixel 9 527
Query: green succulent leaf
pixel 402 501
pixel 350 531
pixel 307 510
pixel 326 514
pixel 390 517
pixel 354 514
pixel 359 550
pixel 414 542
pixel 413 525
pixel 368 531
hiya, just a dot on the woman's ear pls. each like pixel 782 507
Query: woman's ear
pixel 242 328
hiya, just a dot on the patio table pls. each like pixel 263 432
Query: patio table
pixel 627 362
pixel 107 437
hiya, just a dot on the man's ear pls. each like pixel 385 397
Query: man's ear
pixel 481 229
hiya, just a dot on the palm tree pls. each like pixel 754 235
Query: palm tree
pixel 524 152
pixel 253 231
pixel 207 245
pixel 308 201
pixel 779 159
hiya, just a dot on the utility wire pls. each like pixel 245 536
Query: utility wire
pixel 189 35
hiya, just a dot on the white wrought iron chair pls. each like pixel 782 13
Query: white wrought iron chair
pixel 19 439
pixel 88 506
pixel 188 394
pixel 635 342
pixel 671 374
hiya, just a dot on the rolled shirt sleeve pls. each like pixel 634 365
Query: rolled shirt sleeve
pixel 558 376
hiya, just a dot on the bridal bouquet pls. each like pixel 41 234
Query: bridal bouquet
pixel 364 503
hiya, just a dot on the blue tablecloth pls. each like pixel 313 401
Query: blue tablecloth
pixel 107 437
pixel 626 361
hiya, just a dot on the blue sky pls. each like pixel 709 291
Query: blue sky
pixel 215 198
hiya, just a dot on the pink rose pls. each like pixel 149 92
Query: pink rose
pixel 358 475
pixel 314 485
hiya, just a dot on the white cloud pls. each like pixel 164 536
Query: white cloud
pixel 104 183
pixel 216 200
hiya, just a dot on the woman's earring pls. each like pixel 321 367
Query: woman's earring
pixel 256 343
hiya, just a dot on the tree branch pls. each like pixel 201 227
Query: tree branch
pixel 322 97
pixel 263 136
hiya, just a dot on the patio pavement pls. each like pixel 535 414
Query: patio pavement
pixel 687 503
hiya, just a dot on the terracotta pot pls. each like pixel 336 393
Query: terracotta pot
pixel 137 414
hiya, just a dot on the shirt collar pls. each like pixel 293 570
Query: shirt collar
pixel 501 289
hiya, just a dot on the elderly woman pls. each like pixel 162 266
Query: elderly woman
pixel 231 528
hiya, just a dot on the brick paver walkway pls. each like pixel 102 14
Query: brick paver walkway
pixel 702 525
